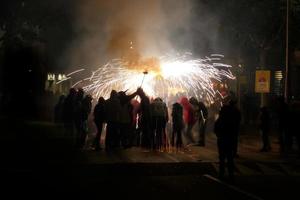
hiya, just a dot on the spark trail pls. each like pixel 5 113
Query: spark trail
pixel 175 73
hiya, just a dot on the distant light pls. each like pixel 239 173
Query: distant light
pixel 131 45
pixel 30 70
pixel 59 77
pixel 278 75
pixel 51 77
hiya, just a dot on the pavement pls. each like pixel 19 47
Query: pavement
pixel 37 161
pixel 250 161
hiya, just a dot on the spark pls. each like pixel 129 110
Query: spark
pixel 58 82
pixel 74 72
pixel 175 73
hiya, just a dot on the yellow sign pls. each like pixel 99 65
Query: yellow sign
pixel 262 81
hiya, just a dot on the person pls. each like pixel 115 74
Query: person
pixel 86 110
pixel 69 112
pixel 99 119
pixel 159 115
pixel 283 120
pixel 225 129
pixel 144 123
pixel 189 119
pixel 113 112
pixel 126 131
pixel 236 115
pixel 58 110
pixel 177 126
pixel 264 126
pixel 135 140
pixel 79 120
pixel 203 112
pixel 294 118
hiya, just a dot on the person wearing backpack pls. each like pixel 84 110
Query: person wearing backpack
pixel 159 115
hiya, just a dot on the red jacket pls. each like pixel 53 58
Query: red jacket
pixel 188 111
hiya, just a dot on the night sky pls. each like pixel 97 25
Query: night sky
pixel 62 35
pixel 229 22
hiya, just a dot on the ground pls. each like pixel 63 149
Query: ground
pixel 37 161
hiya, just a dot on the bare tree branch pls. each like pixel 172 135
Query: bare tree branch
pixel 274 38
pixel 255 43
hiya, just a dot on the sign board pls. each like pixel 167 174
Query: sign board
pixel 262 81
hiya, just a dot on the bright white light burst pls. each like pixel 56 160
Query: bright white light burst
pixel 177 73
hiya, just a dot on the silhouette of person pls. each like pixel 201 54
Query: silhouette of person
pixel 283 120
pixel 69 112
pixel 86 110
pixel 99 119
pixel 79 120
pixel 203 114
pixel 189 119
pixel 113 111
pixel 135 140
pixel 236 115
pixel 126 113
pixel 58 110
pixel 177 126
pixel 225 130
pixel 145 120
pixel 293 134
pixel 159 115
pixel 264 126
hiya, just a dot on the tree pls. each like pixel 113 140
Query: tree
pixel 23 59
pixel 254 24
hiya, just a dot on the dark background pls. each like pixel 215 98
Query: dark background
pixel 35 36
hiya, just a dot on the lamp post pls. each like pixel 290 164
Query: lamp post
pixel 286 52
pixel 239 85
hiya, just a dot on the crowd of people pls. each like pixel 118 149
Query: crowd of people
pixel 132 120
pixel 138 120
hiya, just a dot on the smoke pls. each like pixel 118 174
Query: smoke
pixel 108 29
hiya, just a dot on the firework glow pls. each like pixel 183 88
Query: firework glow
pixel 164 76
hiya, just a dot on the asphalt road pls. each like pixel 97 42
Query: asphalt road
pixel 36 165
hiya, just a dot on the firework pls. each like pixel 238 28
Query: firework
pixel 166 75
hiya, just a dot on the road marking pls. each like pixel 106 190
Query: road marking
pixel 232 187
pixel 268 170
pixel 215 166
pixel 243 170
pixel 171 157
